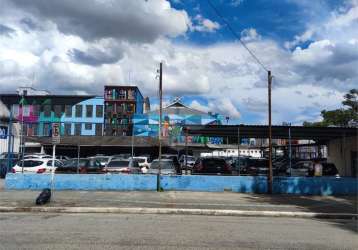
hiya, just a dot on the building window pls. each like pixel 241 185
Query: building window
pixel 35 128
pixel 26 110
pixel 99 110
pixel 122 94
pixel 89 110
pixel 47 110
pixel 46 129
pixel 36 110
pixel 98 129
pixel 78 128
pixel 88 126
pixel 67 129
pixel 57 110
pixel 78 110
pixel 15 110
pixel 68 111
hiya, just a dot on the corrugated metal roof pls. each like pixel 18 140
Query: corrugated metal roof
pixel 278 132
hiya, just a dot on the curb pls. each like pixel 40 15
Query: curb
pixel 177 211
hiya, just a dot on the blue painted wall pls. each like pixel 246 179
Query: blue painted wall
pixel 82 182
pixel 243 184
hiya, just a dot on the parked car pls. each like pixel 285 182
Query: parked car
pixel 102 159
pixel 301 168
pixel 260 166
pixel 36 165
pixel 239 166
pixel 82 166
pixel 167 167
pixel 3 166
pixel 143 161
pixel 329 169
pixel 12 155
pixel 123 166
pixel 211 165
pixel 174 158
pixel 190 160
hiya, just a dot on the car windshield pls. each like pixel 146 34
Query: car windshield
pixel 164 165
pixel 30 163
pixel 118 164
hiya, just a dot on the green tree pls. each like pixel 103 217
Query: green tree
pixel 340 117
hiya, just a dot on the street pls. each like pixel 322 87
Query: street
pixel 116 231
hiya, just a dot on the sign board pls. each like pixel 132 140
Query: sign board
pixel 3 132
pixel 56 136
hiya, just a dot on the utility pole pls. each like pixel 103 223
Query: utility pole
pixel 160 123
pixel 270 178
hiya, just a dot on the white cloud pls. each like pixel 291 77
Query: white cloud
pixel 224 73
pixel 202 24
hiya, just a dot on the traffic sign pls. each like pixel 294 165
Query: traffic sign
pixel 56 136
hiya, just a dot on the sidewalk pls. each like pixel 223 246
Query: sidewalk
pixel 185 200
pixel 223 201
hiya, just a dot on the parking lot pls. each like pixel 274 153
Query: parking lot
pixel 169 164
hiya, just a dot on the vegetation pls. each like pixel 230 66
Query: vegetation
pixel 343 117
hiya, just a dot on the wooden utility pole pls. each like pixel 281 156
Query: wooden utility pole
pixel 160 123
pixel 270 178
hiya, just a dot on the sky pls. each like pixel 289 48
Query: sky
pixel 77 47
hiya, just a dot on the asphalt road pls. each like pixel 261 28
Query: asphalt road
pixel 116 231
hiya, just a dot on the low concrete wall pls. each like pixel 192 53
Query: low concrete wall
pixel 82 182
pixel 243 184
pixel 316 185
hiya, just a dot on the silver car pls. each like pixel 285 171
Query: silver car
pixel 167 167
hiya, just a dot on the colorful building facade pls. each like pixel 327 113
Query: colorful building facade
pixel 175 116
pixel 121 103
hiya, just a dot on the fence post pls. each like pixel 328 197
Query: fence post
pixel 9 138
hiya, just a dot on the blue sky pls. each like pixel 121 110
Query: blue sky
pixel 77 47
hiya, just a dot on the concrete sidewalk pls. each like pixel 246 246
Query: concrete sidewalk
pixel 179 201
pixel 185 200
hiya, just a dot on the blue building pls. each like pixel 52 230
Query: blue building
pixel 84 118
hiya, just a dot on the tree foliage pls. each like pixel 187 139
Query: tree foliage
pixel 345 116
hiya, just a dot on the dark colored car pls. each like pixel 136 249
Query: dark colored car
pixel 123 166
pixel 239 166
pixel 329 169
pixel 3 166
pixel 211 165
pixel 260 166
pixel 82 166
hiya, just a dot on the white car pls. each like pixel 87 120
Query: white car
pixel 142 161
pixel 35 165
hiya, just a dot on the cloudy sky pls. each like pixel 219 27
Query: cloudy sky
pixel 70 47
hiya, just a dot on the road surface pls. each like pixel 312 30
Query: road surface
pixel 120 231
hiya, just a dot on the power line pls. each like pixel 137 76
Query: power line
pixel 217 12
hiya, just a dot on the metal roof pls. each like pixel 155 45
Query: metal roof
pixel 278 132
